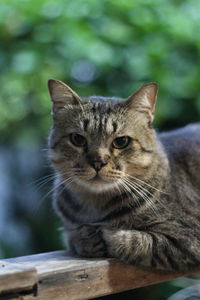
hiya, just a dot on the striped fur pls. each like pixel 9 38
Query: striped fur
pixel 145 207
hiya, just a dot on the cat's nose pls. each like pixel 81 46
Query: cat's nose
pixel 97 164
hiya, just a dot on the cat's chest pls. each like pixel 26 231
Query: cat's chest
pixel 89 215
pixel 76 213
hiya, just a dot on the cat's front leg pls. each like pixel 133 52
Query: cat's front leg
pixel 85 241
pixel 130 246
pixel 176 250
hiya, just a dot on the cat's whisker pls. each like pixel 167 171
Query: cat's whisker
pixel 143 195
pixel 130 193
pixel 42 178
pixel 48 179
pixel 52 175
pixel 135 195
pixel 117 185
pixel 121 184
pixel 124 188
pixel 65 182
pixel 50 192
pixel 136 190
pixel 44 181
pixel 146 184
pixel 140 187
pixel 147 191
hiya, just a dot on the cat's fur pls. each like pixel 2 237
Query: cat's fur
pixel 145 209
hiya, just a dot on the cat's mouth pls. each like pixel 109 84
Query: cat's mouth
pixel 98 183
pixel 97 179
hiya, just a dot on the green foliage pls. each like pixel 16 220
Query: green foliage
pixel 98 47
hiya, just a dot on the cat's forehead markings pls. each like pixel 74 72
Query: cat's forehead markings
pixel 114 124
pixel 109 126
pixel 99 117
pixel 85 124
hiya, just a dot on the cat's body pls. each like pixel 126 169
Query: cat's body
pixel 140 202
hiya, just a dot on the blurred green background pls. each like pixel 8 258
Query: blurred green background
pixel 105 47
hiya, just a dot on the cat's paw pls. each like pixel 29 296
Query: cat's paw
pixel 129 246
pixel 86 241
pixel 119 243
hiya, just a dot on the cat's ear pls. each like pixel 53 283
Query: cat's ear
pixel 61 94
pixel 144 99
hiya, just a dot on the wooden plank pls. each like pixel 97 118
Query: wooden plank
pixel 62 277
pixel 16 276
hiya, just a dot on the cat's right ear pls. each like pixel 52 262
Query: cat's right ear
pixel 61 94
pixel 144 99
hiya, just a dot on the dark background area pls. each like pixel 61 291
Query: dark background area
pixel 107 48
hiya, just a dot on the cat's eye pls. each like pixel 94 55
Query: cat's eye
pixel 78 140
pixel 121 142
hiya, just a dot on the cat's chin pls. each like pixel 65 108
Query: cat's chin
pixel 97 185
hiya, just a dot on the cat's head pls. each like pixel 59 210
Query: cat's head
pixel 97 143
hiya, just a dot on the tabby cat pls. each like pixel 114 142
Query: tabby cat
pixel 121 189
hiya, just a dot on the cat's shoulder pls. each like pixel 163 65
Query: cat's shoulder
pixel 188 132
pixel 182 142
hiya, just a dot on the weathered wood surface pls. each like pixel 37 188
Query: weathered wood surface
pixel 53 276
pixel 16 276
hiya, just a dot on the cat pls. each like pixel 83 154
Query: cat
pixel 121 189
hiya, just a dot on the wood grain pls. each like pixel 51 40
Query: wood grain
pixel 16 276
pixel 62 277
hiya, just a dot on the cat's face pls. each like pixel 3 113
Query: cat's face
pixel 97 143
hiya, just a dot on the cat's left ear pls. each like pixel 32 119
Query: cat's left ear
pixel 61 94
pixel 144 99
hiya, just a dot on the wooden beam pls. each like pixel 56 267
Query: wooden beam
pixel 16 277
pixel 61 277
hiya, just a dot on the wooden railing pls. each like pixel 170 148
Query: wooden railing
pixel 56 276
